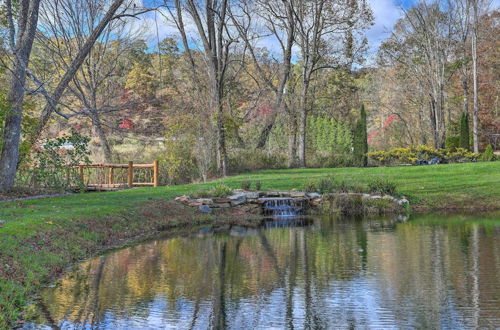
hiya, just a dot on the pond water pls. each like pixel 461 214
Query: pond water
pixel 431 271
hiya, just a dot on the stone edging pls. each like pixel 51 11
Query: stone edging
pixel 257 198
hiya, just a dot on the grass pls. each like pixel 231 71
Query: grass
pixel 41 237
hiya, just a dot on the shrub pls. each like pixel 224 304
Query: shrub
pixel 452 142
pixel 464 131
pixel 383 187
pixel 220 190
pixel 330 160
pixel 258 185
pixel 245 185
pixel 360 141
pixel 411 155
pixel 326 185
pixel 253 160
pixel 310 186
pixel 346 187
pixel 54 162
pixel 488 154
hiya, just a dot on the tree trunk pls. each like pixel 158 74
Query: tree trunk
pixel 221 132
pixel 303 122
pixel 292 142
pixel 475 113
pixel 22 51
pixel 96 124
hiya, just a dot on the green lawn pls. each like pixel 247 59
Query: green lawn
pixel 40 237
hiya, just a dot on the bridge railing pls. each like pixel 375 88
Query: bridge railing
pixel 115 176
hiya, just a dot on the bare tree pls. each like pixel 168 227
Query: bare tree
pixel 274 18
pixel 212 25
pixel 94 84
pixel 21 39
pixel 421 45
pixel 21 45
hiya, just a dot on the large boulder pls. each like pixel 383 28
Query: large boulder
pixel 205 201
pixel 313 195
pixel 205 208
pixel 237 199
pixel 297 194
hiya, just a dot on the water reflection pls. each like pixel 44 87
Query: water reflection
pixel 326 273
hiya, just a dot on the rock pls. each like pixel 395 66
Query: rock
pixel 193 203
pixel 205 201
pixel 2 223
pixel 221 200
pixel 403 201
pixel 205 208
pixel 316 201
pixel 313 195
pixel 237 199
pixel 402 218
pixel 375 197
pixel 297 194
pixel 273 194
pixel 182 199
pixel 221 205
pixel 252 194
pixel 252 209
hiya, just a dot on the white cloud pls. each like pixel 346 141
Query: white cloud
pixel 386 14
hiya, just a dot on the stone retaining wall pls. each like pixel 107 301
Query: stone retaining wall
pixel 252 201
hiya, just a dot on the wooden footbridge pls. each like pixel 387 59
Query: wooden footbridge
pixel 103 177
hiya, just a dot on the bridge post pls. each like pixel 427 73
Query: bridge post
pixel 111 178
pixel 155 173
pixel 130 174
pixel 81 173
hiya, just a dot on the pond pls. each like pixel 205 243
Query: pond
pixel 431 271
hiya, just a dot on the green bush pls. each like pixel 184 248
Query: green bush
pixel 258 185
pixel 412 155
pixel 330 185
pixel 331 160
pixel 245 185
pixel 252 160
pixel 310 186
pixel 383 187
pixel 488 154
pixel 452 142
pixel 220 190
pixel 327 185
pixel 54 163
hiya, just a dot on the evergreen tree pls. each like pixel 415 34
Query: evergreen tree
pixel 464 131
pixel 360 141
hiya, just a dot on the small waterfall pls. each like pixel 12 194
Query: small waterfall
pixel 284 206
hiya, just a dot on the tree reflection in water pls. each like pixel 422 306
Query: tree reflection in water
pixel 428 272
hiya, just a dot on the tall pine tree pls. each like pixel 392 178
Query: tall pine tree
pixel 360 138
pixel 464 131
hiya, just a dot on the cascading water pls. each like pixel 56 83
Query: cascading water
pixel 284 206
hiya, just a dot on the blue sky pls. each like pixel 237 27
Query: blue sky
pixel 386 14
